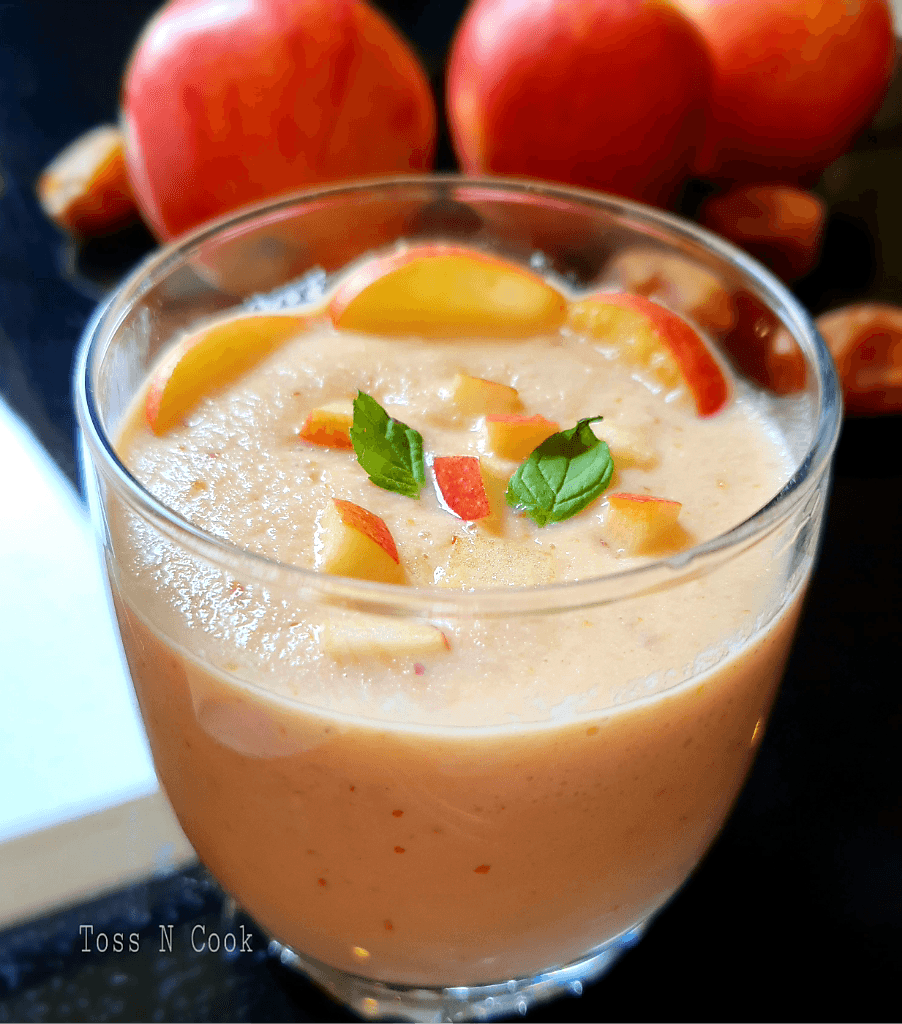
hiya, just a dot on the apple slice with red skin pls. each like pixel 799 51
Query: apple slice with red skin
pixel 356 542
pixel 643 524
pixel 460 487
pixel 446 292
pixel 329 426
pixel 211 360
pixel 517 437
pixel 645 331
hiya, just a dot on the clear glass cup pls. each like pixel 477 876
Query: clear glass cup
pixel 536 843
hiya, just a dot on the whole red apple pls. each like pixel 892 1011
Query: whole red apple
pixel 793 82
pixel 607 94
pixel 229 102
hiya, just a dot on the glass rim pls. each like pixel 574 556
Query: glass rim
pixel 434 602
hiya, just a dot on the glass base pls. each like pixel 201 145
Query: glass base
pixel 377 1000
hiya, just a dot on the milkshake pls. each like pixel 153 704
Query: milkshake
pixel 440 729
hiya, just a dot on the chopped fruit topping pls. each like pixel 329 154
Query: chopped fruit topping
pixel 683 285
pixel 85 189
pixel 436 292
pixel 479 561
pixel 564 475
pixel 642 524
pixel 630 447
pixel 865 340
pixel 460 486
pixel 330 425
pixel 477 396
pixel 657 340
pixel 495 481
pixel 377 636
pixel 211 360
pixel 355 542
pixel 516 437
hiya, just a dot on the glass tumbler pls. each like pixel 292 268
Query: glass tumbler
pixel 418 862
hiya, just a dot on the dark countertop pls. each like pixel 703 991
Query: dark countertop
pixel 797 911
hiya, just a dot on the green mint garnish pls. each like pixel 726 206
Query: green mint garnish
pixel 389 451
pixel 563 475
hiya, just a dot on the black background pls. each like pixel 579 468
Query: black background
pixel 796 913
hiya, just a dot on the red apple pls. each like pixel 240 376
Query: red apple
pixel 607 94
pixel 644 330
pixel 229 102
pixel 793 82
pixel 356 542
pixel 445 292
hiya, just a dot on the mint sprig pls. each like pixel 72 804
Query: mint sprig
pixel 567 472
pixel 389 450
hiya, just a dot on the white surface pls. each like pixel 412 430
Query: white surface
pixel 71 742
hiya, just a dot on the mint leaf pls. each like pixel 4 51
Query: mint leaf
pixel 567 472
pixel 389 450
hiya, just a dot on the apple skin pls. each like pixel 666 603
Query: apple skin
pixel 330 426
pixel 212 359
pixel 460 486
pixel 356 542
pixel 607 94
pixel 696 365
pixel 517 437
pixel 445 292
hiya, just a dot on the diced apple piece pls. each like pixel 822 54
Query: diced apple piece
pixel 211 360
pixel 478 397
pixel 330 425
pixel 653 337
pixel 516 437
pixel 495 481
pixel 629 447
pixel 460 488
pixel 352 541
pixel 375 636
pixel 85 188
pixel 642 524
pixel 478 561
pixel 446 292
pixel 682 284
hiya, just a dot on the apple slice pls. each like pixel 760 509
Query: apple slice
pixel 651 336
pixel 681 283
pixel 446 292
pixel 85 188
pixel 516 437
pixel 477 396
pixel 211 360
pixel 460 488
pixel 352 541
pixel 642 524
pixel 479 561
pixel 359 636
pixel 330 425
pixel 630 447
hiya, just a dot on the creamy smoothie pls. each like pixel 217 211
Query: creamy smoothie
pixel 482 790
